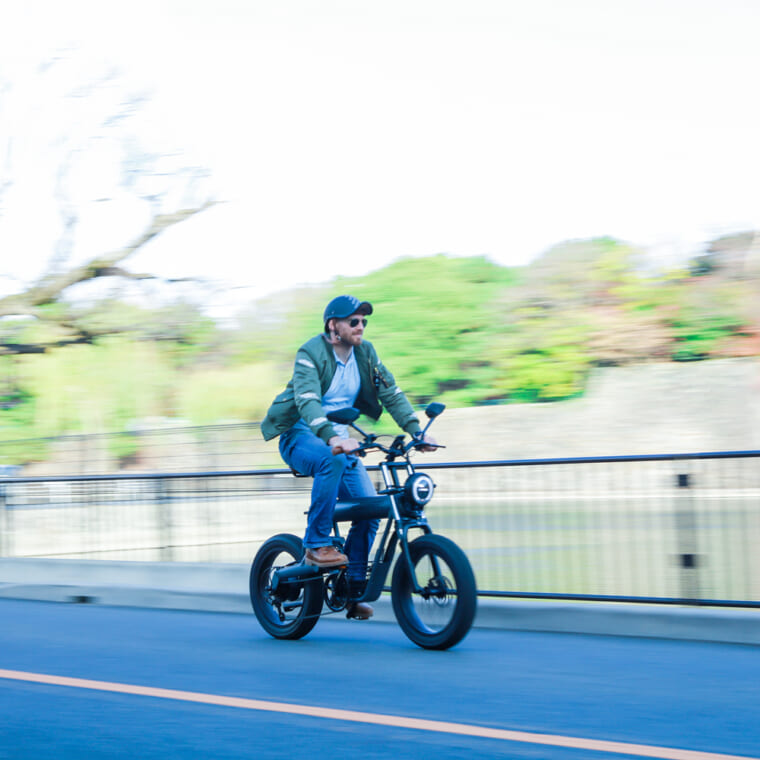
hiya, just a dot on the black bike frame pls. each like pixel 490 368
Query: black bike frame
pixel 386 505
pixel 389 501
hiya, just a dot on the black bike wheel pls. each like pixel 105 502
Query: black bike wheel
pixel 441 615
pixel 293 610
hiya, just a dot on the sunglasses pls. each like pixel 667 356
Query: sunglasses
pixel 355 321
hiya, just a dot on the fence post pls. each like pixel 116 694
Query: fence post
pixel 686 538
pixel 164 510
pixel 3 522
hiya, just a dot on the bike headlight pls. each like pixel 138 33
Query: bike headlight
pixel 418 489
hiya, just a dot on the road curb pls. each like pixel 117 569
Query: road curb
pixel 224 588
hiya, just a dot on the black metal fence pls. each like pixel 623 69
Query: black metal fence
pixel 172 448
pixel 664 528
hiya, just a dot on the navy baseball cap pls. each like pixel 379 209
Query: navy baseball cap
pixel 344 306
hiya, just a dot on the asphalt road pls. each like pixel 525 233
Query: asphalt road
pixel 498 694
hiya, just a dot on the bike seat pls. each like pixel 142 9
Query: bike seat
pixel 362 508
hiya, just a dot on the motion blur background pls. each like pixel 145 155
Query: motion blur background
pixel 551 205
pixel 529 193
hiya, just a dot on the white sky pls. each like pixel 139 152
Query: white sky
pixel 345 134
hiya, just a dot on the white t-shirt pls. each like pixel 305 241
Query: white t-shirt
pixel 343 389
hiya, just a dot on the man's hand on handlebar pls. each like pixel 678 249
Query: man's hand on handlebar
pixel 340 445
pixel 343 445
pixel 427 444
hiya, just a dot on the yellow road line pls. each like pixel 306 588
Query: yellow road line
pixel 396 721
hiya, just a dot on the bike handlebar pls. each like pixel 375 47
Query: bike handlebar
pixel 397 448
pixel 360 452
pixel 365 447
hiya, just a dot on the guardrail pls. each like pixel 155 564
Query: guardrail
pixel 673 529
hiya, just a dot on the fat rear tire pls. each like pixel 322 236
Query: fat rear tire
pixel 292 611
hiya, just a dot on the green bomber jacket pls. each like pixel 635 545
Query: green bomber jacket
pixel 313 372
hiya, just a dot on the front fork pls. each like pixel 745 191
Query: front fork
pixel 387 553
pixel 403 531
pixel 403 527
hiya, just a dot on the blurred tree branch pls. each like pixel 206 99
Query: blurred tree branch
pixel 50 288
pixel 89 125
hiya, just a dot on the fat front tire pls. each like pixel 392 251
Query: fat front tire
pixel 442 614
pixel 293 610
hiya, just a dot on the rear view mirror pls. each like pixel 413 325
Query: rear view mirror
pixel 343 416
pixel 434 409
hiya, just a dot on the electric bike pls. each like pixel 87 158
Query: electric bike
pixel 433 588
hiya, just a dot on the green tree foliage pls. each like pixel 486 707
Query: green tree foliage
pixel 433 318
pixel 96 388
pixel 431 322
pixel 553 318
pixel 211 394
pixel 109 385
pixel 462 330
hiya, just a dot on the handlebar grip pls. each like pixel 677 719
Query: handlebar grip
pixel 356 452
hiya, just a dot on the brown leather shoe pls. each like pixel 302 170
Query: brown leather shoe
pixel 359 611
pixel 325 556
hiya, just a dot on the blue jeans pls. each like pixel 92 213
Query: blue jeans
pixel 334 475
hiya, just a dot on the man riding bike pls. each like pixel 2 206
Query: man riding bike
pixel 334 370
